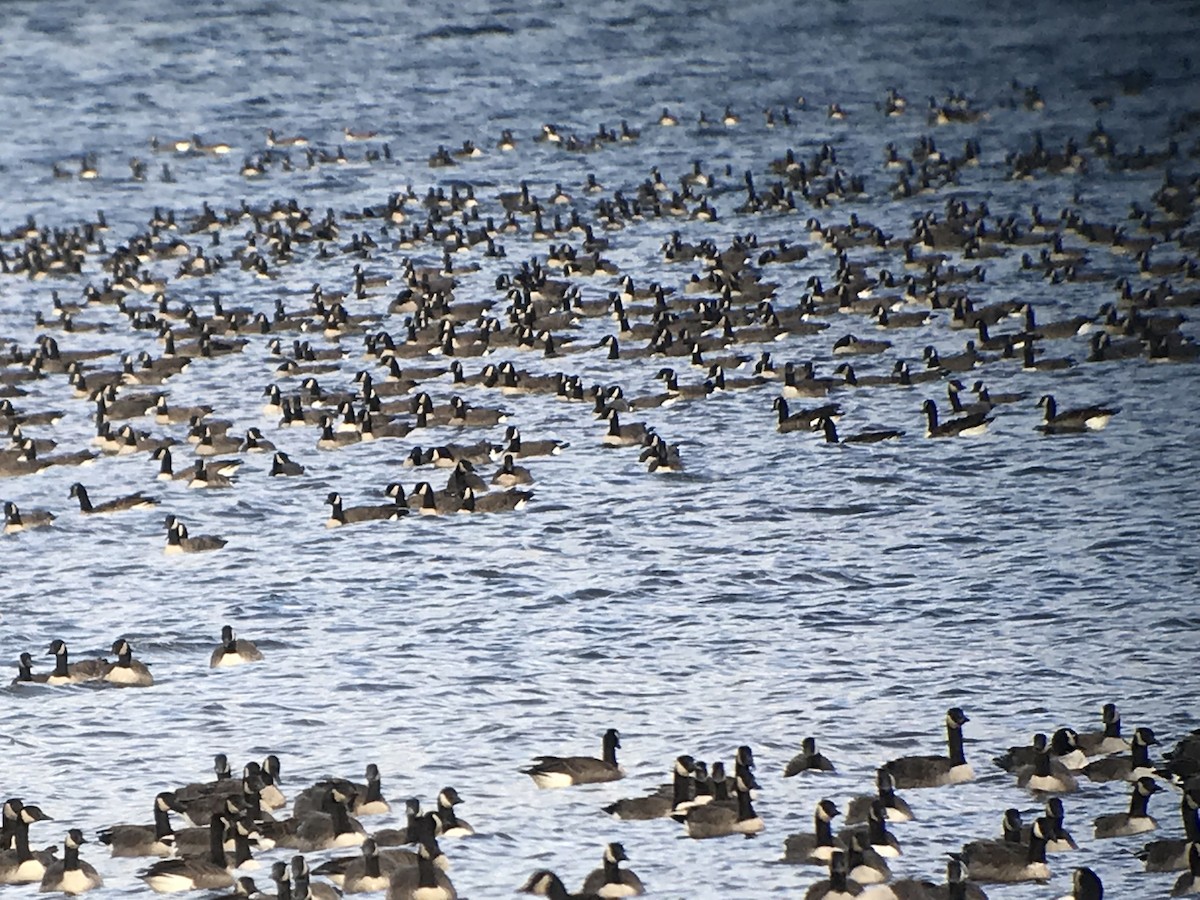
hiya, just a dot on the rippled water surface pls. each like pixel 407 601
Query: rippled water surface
pixel 778 588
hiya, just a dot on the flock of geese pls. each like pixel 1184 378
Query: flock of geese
pixel 423 330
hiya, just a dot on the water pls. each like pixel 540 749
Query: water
pixel 778 588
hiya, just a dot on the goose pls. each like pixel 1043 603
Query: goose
pixel 1085 885
pixel 193 873
pixel 145 840
pixel 966 426
pixel 1136 820
pixel 517 448
pixel 283 465
pixel 1189 881
pixel 935 771
pixel 233 651
pixel 1045 775
pixel 1125 768
pixel 563 771
pixel 662 803
pixel 366 873
pixel 817 846
pixel 73 673
pixel 449 824
pixel 71 875
pixel 304 888
pixel 895 809
pixel 808 759
pixel 1063 748
pixel 874 833
pixel 1011 833
pixel 802 420
pixel 127 670
pixel 1171 855
pixel 21 865
pixel 17 520
pixel 328 829
pixel 851 345
pixel 339 516
pixel 178 540
pixel 166 468
pixel 717 820
pixel 1107 741
pixel 867 866
pixel 838 885
pixel 610 880
pixel 205 476
pixel 119 504
pixel 1058 839
pixel 629 435
pixel 366 799
pixel 510 474
pixel 26 675
pixel 545 883
pixel 957 887
pixel 802 383
pixel 863 437
pixel 1087 418
pixel 423 882
pixel 392 837
pixel 1007 861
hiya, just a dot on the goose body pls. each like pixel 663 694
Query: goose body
pixel 610 880
pixel 564 771
pixel 936 771
pixel 233 651
pixel 127 670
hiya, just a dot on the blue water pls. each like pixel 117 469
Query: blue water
pixel 776 589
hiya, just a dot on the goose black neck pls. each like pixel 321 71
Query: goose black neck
pixel 446 814
pixel 1141 755
pixel 745 810
pixel 954 738
pixel 20 836
pixel 1139 803
pixel 824 831
pixel 371 864
pixel 216 841
pixel 1041 763
pixel 60 665
pixel 426 873
pixel 1037 847
pixel 341 819
pixel 610 750
pixel 612 871
pixel 1191 821
pixel 70 856
pixel 877 833
pixel 1113 729
pixel 162 823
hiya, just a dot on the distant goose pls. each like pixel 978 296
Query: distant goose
pixel 817 846
pixel 423 882
pixel 1189 881
pixel 71 875
pixel 21 865
pixel 511 475
pixel 562 771
pixel 1086 418
pixel 16 520
pixel 281 464
pixel 545 883
pixel 863 437
pixel 120 504
pixel 660 804
pixel 233 651
pixel 1171 854
pixel 964 426
pixel 26 675
pixel 935 771
pixel 145 840
pixel 895 809
pixel 449 824
pixel 838 885
pixel 610 880
pixel 808 759
pixel 193 873
pixel 1045 775
pixel 1125 768
pixel 356 514
pixel 802 420
pixel 502 501
pixel 875 833
pixel 851 345
pixel 716 820
pixel 179 541
pixel 127 670
pixel 393 837
pixel 867 866
pixel 1007 862
pixel 1108 741
pixel 73 673
pixel 1063 748
pixel 1136 820
pixel 1085 885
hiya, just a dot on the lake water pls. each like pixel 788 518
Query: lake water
pixel 778 588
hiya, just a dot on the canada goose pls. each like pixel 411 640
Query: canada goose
pixel 193 873
pixel 166 468
pixel 863 437
pixel 449 824
pixel 563 771
pixel 957 887
pixel 851 345
pixel 233 651
pixel 838 885
pixel 73 673
pixel 16 520
pixel 26 675
pixel 1125 768
pixel 304 887
pixel 127 670
pixel 120 504
pixel 366 799
pixel 631 434
pixel 145 840
pixel 801 382
pixel 1087 418
pixel 282 464
pixel 610 880
pixel 424 882
pixel 1085 885
pixel 179 541
pixel 875 833
pixel 21 865
pixel 517 448
pixel 661 803
pixel 356 514
pixel 895 809
pixel 1171 854
pixel 1045 775
pixel 717 820
pixel 365 873
pixel 1136 820
pixel 1058 839
pixel 866 865
pixel 808 759
pixel 71 875
pixel 815 847
pixel 545 883
pixel 935 771
pixel 511 475
pixel 969 425
pixel 1007 861
pixel 410 834
pixel 1062 747
pixel 1107 741
pixel 1189 881
pixel 205 476
pixel 330 828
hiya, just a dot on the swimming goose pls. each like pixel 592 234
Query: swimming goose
pixel 661 803
pixel 304 888
pixel 366 799
pixel 838 885
pixel 935 771
pixel 895 809
pixel 817 846
pixel 1136 820
pixel 717 820
pixel 502 501
pixel 73 673
pixel 145 840
pixel 233 651
pixel 610 880
pixel 449 824
pixel 563 771
pixel 517 448
pixel 545 883
pixel 179 541
pixel 511 475
pixel 71 875
pixel 967 426
pixel 365 873
pixel 1171 854
pixel 1189 881
pixel 1086 418
pixel 424 882
pixel 1107 741
pixel 16 520
pixel 410 834
pixel 1008 862
pixel 808 759
pixel 193 873
pixel 1045 775
pixel 631 434
pixel 1063 750
pixel 26 675
pixel 21 865
pixel 866 865
pixel 356 514
pixel 1127 768
pixel 957 887
pixel 205 476
pixel 120 504
pixel 329 828
pixel 863 437
pixel 127 670
pixel 1085 885
pixel 875 833
pixel 1058 839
